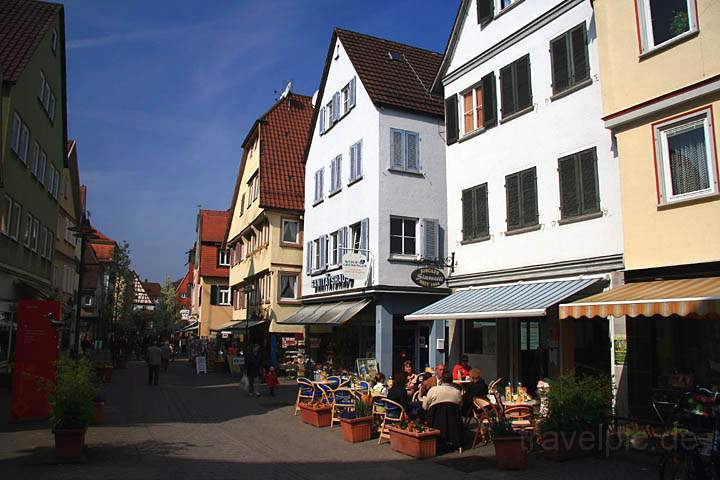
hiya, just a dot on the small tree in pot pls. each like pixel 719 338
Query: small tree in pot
pixel 71 406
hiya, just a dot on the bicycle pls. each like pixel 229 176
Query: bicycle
pixel 684 460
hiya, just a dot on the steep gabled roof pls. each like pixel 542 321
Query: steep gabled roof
pixel 23 23
pixel 103 246
pixel 212 225
pixel 437 86
pixel 209 262
pixel 153 289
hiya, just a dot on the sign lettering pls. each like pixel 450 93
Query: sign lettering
pixel 428 277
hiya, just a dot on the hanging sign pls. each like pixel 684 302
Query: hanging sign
pixel 429 277
pixel 355 266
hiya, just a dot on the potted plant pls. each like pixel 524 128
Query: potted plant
pixel 510 453
pixel 316 414
pixel 414 439
pixel 579 408
pixel 356 424
pixel 71 406
pixel 98 407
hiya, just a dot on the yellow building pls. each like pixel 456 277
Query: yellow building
pixel 660 80
pixel 264 234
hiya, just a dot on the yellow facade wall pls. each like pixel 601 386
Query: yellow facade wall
pixel 212 316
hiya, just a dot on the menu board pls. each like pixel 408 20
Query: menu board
pixel 367 367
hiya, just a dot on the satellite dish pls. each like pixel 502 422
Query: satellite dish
pixel 286 92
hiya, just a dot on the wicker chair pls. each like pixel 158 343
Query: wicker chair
pixel 521 417
pixel 393 414
pixel 306 392
pixel 334 382
pixel 484 414
pixel 343 400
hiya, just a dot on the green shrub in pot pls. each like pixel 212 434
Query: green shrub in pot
pixel 71 398
pixel 578 403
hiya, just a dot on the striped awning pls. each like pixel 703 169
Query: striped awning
pixel 693 296
pixel 335 313
pixel 524 299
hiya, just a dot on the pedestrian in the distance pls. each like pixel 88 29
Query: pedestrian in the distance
pixel 271 380
pixel 154 357
pixel 252 367
pixel 165 356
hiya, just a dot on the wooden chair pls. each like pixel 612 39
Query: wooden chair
pixel 393 414
pixel 306 392
pixel 484 414
pixel 343 400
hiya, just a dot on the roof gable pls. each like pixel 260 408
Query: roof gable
pixel 212 225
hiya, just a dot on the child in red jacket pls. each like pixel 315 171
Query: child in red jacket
pixel 271 380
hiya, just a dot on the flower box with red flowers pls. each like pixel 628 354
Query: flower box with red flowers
pixel 414 439
pixel 316 414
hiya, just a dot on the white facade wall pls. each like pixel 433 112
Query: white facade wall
pixel 536 139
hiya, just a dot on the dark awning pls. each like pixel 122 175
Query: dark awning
pixel 326 313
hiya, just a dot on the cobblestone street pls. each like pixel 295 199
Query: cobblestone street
pixel 207 427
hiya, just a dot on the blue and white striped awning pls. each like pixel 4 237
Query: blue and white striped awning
pixel 524 299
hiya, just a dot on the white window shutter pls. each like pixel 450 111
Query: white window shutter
pixel 396 149
pixel 343 241
pixel 308 257
pixel 338 174
pixel 358 159
pixel 413 153
pixel 351 93
pixel 336 106
pixel 353 172
pixel 364 233
pixel 430 232
pixel 322 186
pixel 322 120
pixel 323 252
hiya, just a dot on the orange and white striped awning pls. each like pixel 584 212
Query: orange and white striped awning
pixel 696 297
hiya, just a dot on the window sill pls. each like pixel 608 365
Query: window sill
pixel 288 301
pixel 354 180
pixel 334 192
pixel 686 202
pixel 475 240
pixel 472 134
pixel 572 89
pixel 580 218
pixel 291 245
pixel 522 230
pixel 398 258
pixel 409 173
pixel 668 44
pixel 507 9
pixel 517 114
pixel 318 202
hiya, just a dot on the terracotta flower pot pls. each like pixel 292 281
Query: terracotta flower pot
pixel 316 416
pixel 510 453
pixel 98 413
pixel 414 444
pixel 356 430
pixel 69 443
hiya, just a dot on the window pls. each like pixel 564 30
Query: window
pixel 472 109
pixel 253 189
pixel 88 301
pixel 330 107
pixel 24 140
pixel 55 183
pixel 69 233
pixel 242 205
pixel 578 184
pixel 41 167
pixel 15 220
pixel 15 133
pixel 403 232
pixel 515 88
pixel 529 335
pixel 35 158
pixel 34 235
pixel 661 21
pixel 404 150
pixel 356 161
pixel 336 174
pixel 569 56
pixel 290 231
pixel 53 41
pixel 6 215
pixel 319 185
pixel 356 237
pixel 316 254
pixel 49 245
pixel 521 193
pixel 224 296
pixel 480 337
pixel 27 237
pixel 41 87
pixel 475 217
pixel 223 258
pixel 46 96
pixel 334 248
pixel 288 286
pixel 686 162
pixel 339 105
pixel 43 241
pixel 51 107
pixel 345 98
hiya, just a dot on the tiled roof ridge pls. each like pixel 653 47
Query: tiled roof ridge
pixel 280 101
pixel 385 40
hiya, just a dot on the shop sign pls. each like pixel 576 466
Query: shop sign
pixel 355 266
pixel 289 342
pixel 620 345
pixel 225 333
pixel 429 277
pixel 328 283
pixel 185 314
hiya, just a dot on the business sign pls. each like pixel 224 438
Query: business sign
pixel 355 266
pixel 329 283
pixel 185 314
pixel 429 277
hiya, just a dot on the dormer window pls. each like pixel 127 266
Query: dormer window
pixel 395 56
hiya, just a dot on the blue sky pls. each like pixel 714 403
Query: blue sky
pixel 161 94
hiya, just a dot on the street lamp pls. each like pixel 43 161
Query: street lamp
pixel 84 232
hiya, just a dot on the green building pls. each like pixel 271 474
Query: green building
pixel 33 133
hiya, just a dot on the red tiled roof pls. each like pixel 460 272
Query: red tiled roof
pixel 209 262
pixel 23 23
pixel 103 246
pixel 212 225
pixel 153 289
pixel 283 138
pixel 402 83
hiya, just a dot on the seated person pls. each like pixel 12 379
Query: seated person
pixel 461 369
pixel 477 389
pixel 398 393
pixel 444 392
pixel 379 387
pixel 409 376
pixel 436 379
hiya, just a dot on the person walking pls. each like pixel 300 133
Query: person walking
pixel 252 367
pixel 154 357
pixel 165 356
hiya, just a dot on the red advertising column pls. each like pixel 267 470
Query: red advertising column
pixel 36 350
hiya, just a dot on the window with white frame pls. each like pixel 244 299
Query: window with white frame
pixel 356 169
pixel 339 105
pixel 290 231
pixel 224 296
pixel 336 174
pixel 661 21
pixel 34 158
pixel 19 137
pixel 49 244
pixel 404 150
pixel 41 167
pixel 288 286
pixel 34 235
pixel 55 183
pixel 403 236
pixel 316 254
pixel 27 236
pixel 334 248
pixel 356 236
pixel 223 258
pixel 319 189
pixel 686 157
pixel 472 101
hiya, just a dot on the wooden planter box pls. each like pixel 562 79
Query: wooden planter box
pixel 414 444
pixel 69 443
pixel 510 453
pixel 559 447
pixel 317 417
pixel 356 430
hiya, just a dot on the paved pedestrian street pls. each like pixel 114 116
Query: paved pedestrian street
pixel 206 426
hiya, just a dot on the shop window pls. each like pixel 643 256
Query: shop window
pixel 662 21
pixel 529 335
pixel 686 163
pixel 403 236
pixel 480 337
pixel 579 193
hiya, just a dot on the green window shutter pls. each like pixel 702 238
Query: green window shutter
pixel 581 67
pixel 587 161
pixel 560 65
pixel 528 201
pixel 485 11
pixel 482 227
pixel 489 101
pixel 569 198
pixel 213 295
pixel 512 195
pixel 507 97
pixel 468 216
pixel 523 86
pixel 451 119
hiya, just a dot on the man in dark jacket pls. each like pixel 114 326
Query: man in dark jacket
pixel 252 367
